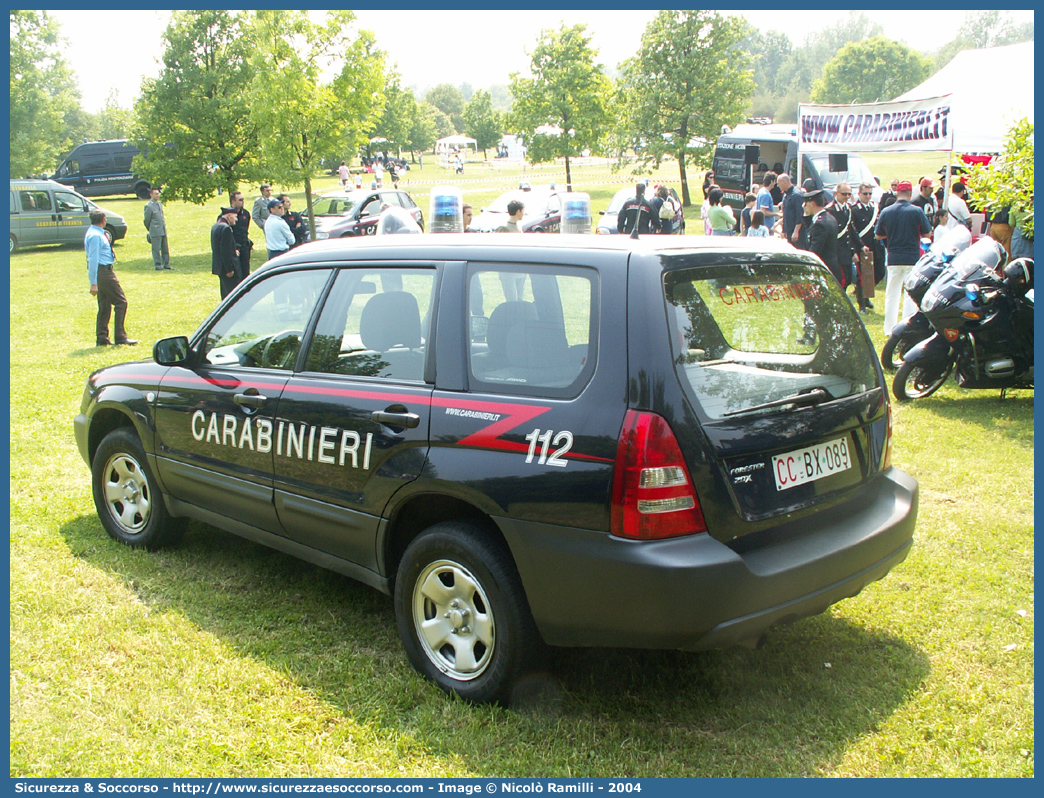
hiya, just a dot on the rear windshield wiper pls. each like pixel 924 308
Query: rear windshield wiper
pixel 812 396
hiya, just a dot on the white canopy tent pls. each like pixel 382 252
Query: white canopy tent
pixel 990 90
pixel 460 142
pixel 445 146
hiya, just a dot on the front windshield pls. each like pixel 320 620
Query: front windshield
pixel 333 206
pixel 858 172
pixel 755 333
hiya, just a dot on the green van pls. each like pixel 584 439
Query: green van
pixel 45 212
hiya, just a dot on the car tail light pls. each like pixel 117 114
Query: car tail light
pixel 886 461
pixel 653 496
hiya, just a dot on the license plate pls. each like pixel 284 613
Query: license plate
pixel 811 463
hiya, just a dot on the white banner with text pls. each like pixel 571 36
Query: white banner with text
pixel 910 126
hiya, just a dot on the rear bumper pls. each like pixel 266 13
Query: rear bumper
pixel 589 589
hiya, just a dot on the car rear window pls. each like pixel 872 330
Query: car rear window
pixel 746 335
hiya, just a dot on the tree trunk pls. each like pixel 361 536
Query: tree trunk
pixel 308 204
pixel 569 176
pixel 686 202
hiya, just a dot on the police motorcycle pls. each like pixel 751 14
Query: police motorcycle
pixel 982 327
pixel 912 330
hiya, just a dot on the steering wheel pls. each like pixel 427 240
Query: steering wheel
pixel 281 349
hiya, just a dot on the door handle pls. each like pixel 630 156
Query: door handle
pixel 399 419
pixel 254 400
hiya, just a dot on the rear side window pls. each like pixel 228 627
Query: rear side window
pixel 746 335
pixel 122 158
pixel 532 329
pixel 35 200
pixel 97 164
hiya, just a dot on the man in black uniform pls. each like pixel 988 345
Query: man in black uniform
pixel 822 232
pixel 294 221
pixel 240 229
pixel 636 214
pixel 864 217
pixel 846 247
pixel 224 261
pixel 888 197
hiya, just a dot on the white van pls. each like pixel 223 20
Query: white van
pixel 775 148
pixel 45 212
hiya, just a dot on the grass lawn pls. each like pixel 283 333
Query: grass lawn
pixel 222 658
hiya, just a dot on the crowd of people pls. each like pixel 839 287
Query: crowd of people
pixel 860 241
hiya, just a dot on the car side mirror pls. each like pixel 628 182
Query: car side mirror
pixel 601 213
pixel 171 351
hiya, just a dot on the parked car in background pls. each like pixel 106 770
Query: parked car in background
pixel 45 212
pixel 355 212
pixel 607 224
pixel 543 210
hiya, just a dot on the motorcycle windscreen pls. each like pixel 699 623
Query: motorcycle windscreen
pixel 784 377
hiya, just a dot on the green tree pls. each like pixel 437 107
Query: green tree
pixel 980 29
pixel 304 117
pixel 195 115
pixel 689 78
pixel 43 95
pixel 803 65
pixel 423 131
pixel 481 122
pixel 501 97
pixel 769 52
pixel 871 70
pixel 443 124
pixel 113 121
pixel 400 109
pixel 563 109
pixel 1007 182
pixel 450 101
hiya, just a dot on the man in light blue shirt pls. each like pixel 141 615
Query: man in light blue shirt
pixel 764 199
pixel 104 285
pixel 278 237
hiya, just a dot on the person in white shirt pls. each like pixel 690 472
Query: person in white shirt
pixel 957 212
pixel 278 237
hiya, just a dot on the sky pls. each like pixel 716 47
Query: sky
pixel 425 45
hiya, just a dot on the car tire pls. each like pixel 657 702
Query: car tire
pixel 110 235
pixel 14 244
pixel 129 502
pixel 142 190
pixel 462 613
pixel 914 381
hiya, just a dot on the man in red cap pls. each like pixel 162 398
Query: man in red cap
pixel 901 225
pixel 925 200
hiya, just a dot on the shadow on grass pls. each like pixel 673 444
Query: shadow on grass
pixel 982 408
pixel 788 709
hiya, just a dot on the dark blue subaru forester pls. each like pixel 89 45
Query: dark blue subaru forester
pixel 527 441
